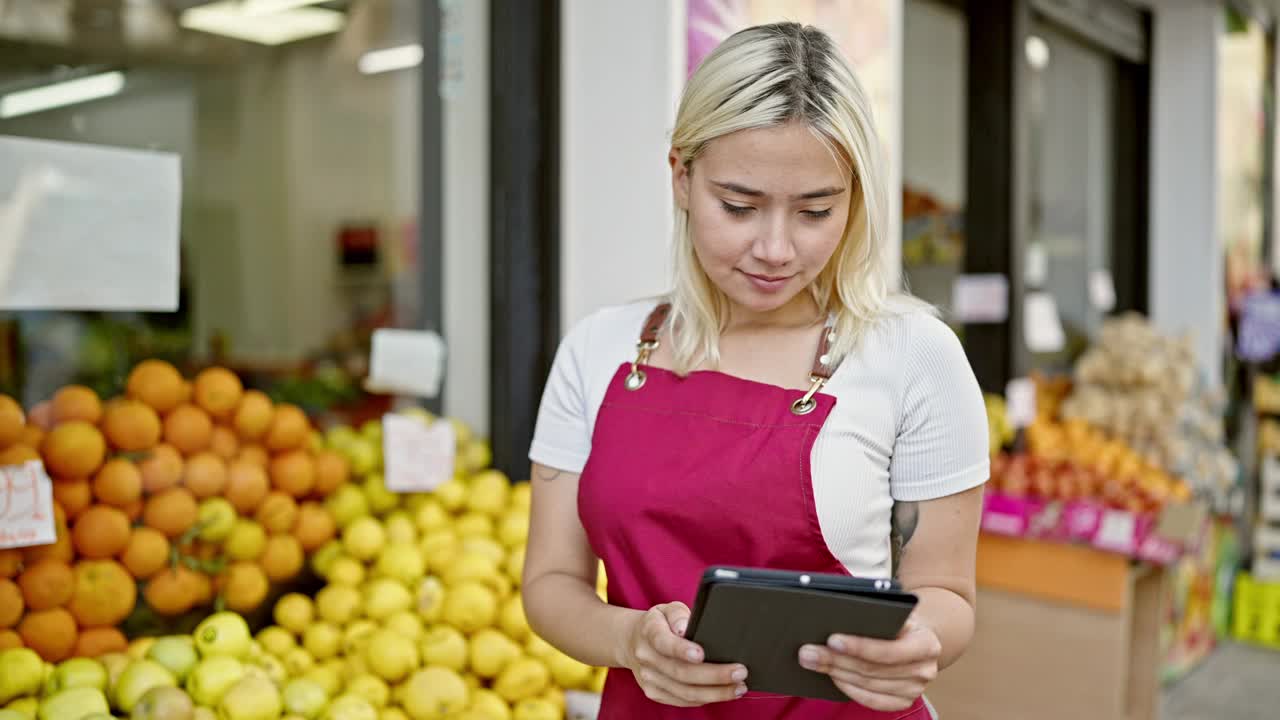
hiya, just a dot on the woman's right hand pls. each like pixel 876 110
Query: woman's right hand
pixel 669 668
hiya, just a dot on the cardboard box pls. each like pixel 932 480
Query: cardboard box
pixel 1063 632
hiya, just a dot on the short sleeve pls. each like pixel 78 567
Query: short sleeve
pixel 562 433
pixel 941 446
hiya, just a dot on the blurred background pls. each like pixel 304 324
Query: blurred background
pixel 1085 187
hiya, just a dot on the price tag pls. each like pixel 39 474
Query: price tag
pixel 26 506
pixel 1116 531
pixel 1037 265
pixel 1102 291
pixel 406 362
pixel 1020 402
pixel 417 457
pixel 1041 325
pixel 580 705
pixel 980 298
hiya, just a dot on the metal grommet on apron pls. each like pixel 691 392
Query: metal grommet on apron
pixel 648 343
pixel 820 373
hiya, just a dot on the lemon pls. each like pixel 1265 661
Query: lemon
pixel 471 567
pixel 403 562
pixel 339 437
pixel 405 623
pixel 215 518
pixel 81 672
pixel 434 693
pixel 489 492
pixel 115 663
pixel 474 524
pixel 430 515
pixel 323 558
pixel 429 602
pixel 210 679
pixel 355 634
pixel 137 679
pixel 305 698
pixel 535 709
pixel 486 546
pixel 346 570
pixel 470 607
pixel 392 713
pixel 490 652
pixel 323 640
pixel 400 527
pixel 176 653
pixel 246 540
pixel 536 647
pixel 381 500
pixel 567 672
pixel 354 665
pixel 350 707
pixel 598 680
pixel 294 612
pixel 452 495
pixel 522 679
pixel 439 548
pixel 138 648
pixel 461 431
pixel 512 620
pixel 223 633
pixel 73 704
pixel 363 538
pixel 390 656
pixel 476 455
pixel 327 676
pixel 347 504
pixel 365 457
pixel 513 528
pixel 515 565
pixel 276 640
pixel 297 661
pixel 521 497
pixel 385 597
pixel 252 698
pixel 203 713
pixel 273 667
pixel 488 704
pixel 338 604
pixel 371 688
pixel 444 646
pixel 21 709
pixel 555 696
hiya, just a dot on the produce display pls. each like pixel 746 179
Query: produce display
pixel 176 496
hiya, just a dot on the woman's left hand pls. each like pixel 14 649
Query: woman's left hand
pixel 885 675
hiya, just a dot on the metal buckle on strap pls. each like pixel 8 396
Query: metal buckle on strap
pixel 635 378
pixel 805 405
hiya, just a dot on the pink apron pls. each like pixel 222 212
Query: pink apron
pixel 702 470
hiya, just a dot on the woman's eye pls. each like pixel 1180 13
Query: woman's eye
pixel 738 210
pixel 817 214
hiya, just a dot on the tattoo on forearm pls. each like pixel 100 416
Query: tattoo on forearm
pixel 902 526
pixel 548 474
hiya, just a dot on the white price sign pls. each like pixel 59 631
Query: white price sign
pixel 417 457
pixel 26 506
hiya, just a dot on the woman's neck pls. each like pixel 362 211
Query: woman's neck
pixel 800 311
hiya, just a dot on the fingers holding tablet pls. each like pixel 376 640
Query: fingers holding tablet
pixel 670 669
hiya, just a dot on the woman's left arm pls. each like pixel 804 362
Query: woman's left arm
pixel 938 553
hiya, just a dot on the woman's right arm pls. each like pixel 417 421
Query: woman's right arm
pixel 560 602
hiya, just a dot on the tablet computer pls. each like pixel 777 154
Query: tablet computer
pixel 761 618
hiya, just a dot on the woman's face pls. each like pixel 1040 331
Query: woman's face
pixel 767 209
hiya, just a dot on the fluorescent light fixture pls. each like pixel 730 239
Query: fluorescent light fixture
pixel 393 58
pixel 267 22
pixel 68 92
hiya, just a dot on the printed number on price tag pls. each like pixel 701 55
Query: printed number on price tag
pixel 26 506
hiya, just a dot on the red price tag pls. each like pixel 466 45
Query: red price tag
pixel 26 506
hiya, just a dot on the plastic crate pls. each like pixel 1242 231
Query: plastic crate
pixel 1256 616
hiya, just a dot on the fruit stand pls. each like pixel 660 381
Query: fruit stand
pixel 214 554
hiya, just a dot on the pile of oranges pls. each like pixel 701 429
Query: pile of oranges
pixel 178 494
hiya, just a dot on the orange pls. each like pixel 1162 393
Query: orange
pixel 254 453
pixel 146 554
pixel 118 483
pixel 104 595
pixel 282 557
pixel 51 633
pixel 76 402
pixel 32 436
pixel 189 429
pixel 253 416
pixel 224 442
pixel 131 425
pixel 277 512
pixel 96 642
pixel 243 585
pixel 332 471
pixel 170 591
pixel 75 496
pixel 18 455
pixel 171 511
pixel 289 428
pixel 161 469
pixel 74 450
pixel 61 550
pixel 10 562
pixel 47 584
pixel 156 383
pixel 101 532
pixel 200 586
pixel 293 472
pixel 205 475
pixel 12 421
pixel 11 604
pixel 134 510
pixel 9 640
pixel 314 527
pixel 218 391
pixel 247 486
pixel 41 415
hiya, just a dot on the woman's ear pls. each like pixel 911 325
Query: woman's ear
pixel 679 179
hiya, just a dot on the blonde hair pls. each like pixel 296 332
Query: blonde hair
pixel 762 77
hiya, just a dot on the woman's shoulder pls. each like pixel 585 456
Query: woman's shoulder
pixel 610 327
pixel 911 329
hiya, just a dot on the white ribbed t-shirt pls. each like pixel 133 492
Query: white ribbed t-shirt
pixel 909 425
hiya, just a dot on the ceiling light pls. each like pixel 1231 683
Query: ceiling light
pixel 69 92
pixel 267 22
pixel 387 59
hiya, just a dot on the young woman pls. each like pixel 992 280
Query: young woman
pixel 783 410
